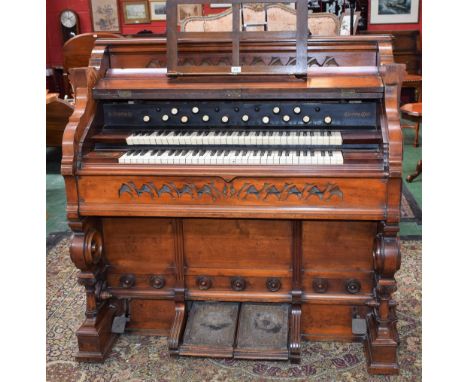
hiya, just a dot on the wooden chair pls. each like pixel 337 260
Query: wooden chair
pixel 413 112
pixel 58 112
pixel 280 18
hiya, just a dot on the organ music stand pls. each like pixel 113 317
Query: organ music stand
pixel 174 37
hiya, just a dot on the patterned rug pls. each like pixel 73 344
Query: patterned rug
pixel 145 358
pixel 410 210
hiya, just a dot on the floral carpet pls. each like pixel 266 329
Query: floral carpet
pixel 145 358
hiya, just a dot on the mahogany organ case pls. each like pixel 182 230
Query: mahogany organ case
pixel 237 215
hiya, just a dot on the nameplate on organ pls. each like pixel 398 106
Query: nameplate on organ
pixel 237 212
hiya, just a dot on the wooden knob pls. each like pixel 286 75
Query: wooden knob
pixel 273 284
pixel 353 286
pixel 238 284
pixel 320 285
pixel 157 282
pixel 127 281
pixel 204 283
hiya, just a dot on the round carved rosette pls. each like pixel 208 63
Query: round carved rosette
pixel 204 282
pixel 353 286
pixel 127 281
pixel 273 284
pixel 92 247
pixel 157 282
pixel 238 284
pixel 320 285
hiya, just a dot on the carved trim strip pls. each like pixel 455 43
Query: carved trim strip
pixel 246 60
pixel 267 192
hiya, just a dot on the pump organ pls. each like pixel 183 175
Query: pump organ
pixel 212 202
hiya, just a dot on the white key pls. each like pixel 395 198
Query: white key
pixel 188 157
pixel 336 138
pixel 270 158
pixel 314 157
pixel 284 139
pixel 282 157
pixel 175 158
pixel 338 157
pixel 295 157
pixel 123 158
pixel 129 140
pixel 146 157
pixel 275 157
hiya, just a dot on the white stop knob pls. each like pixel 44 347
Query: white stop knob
pixel 327 120
pixel 184 119
pixel 297 110
pixel 265 120
pixel 276 110
pixel 286 118
pixel 225 119
pixel 195 110
pixel 245 117
pixel 174 111
pixel 206 118
pixel 146 118
pixel 165 117
pixel 306 119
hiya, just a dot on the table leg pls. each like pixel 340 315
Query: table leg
pixel 418 171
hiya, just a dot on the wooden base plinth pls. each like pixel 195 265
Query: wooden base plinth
pixel 381 353
pixel 95 338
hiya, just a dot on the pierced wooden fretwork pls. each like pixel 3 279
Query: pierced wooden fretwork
pixel 265 192
pixel 214 60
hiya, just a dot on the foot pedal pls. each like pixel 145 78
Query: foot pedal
pixel 359 326
pixel 263 332
pixel 210 330
pixel 119 323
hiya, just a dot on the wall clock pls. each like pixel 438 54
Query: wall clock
pixel 70 24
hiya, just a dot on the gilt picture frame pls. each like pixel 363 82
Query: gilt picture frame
pixel 136 12
pixel 105 15
pixel 188 10
pixel 394 11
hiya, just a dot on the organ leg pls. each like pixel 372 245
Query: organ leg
pixel 95 338
pixel 382 336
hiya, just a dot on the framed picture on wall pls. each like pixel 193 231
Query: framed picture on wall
pixel 185 11
pixel 136 12
pixel 394 11
pixel 105 15
pixel 158 10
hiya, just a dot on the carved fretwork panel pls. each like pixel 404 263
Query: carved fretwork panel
pixel 180 191
pixel 246 60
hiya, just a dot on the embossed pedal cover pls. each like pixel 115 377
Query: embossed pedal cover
pixel 263 331
pixel 210 329
pixel 119 323
pixel 359 326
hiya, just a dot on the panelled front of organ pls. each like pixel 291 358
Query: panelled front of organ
pixel 237 215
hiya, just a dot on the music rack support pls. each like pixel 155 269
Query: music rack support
pixel 237 36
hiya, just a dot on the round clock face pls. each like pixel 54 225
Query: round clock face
pixel 68 19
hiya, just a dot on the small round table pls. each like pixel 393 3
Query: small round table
pixel 413 112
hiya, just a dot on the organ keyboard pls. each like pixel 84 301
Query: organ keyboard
pixel 210 201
